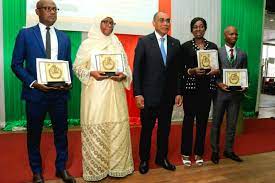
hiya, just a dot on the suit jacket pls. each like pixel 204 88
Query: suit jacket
pixel 239 63
pixel 29 46
pixel 153 80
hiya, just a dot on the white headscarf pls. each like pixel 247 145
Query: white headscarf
pixel 96 41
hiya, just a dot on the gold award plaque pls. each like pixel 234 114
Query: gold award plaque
pixel 234 78
pixel 205 60
pixel 108 63
pixel 54 72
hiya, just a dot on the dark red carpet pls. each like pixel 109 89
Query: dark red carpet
pixel 257 138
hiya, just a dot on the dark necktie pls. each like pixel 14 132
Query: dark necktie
pixel 48 43
pixel 231 54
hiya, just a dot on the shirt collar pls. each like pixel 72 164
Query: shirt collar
pixel 228 48
pixel 43 27
pixel 158 36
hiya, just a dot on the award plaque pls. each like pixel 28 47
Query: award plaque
pixel 52 72
pixel 109 63
pixel 235 79
pixel 207 59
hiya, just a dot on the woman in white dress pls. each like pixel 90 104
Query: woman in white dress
pixel 106 143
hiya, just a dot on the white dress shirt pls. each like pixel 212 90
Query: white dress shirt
pixel 229 52
pixel 54 42
pixel 159 40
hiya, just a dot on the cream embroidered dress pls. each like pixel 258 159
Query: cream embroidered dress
pixel 106 143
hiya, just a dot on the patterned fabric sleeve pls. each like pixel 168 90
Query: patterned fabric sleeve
pixel 81 65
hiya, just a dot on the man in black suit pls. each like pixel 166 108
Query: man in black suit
pixel 227 100
pixel 156 89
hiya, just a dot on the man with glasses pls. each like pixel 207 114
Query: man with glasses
pixel 43 41
pixel 156 89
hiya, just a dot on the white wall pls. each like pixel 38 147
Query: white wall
pixel 2 99
pixel 183 11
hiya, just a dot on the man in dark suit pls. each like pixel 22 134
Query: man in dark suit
pixel 227 100
pixel 43 41
pixel 156 89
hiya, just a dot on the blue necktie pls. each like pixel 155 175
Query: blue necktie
pixel 162 49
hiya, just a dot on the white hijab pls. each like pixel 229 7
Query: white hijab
pixel 96 41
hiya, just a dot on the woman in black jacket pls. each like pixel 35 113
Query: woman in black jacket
pixel 199 86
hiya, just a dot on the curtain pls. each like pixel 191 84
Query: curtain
pixel 183 11
pixel 14 13
pixel 2 98
pixel 247 16
pixel 235 12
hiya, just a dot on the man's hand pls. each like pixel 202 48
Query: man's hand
pixel 65 87
pixel 118 77
pixel 223 86
pixel 243 89
pixel 213 72
pixel 139 101
pixel 178 100
pixel 98 75
pixel 196 71
pixel 42 87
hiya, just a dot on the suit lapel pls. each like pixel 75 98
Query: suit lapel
pixel 224 58
pixel 170 46
pixel 60 44
pixel 38 36
pixel 238 57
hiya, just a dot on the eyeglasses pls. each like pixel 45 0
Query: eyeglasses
pixel 107 22
pixel 49 9
pixel 162 20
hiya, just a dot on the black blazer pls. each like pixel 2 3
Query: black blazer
pixel 153 80
pixel 192 84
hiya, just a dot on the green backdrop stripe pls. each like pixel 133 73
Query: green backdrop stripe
pixel 247 16
pixel 74 102
pixel 14 13
pixel 14 18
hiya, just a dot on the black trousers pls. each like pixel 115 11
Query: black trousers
pixel 148 117
pixel 195 106
pixel 36 113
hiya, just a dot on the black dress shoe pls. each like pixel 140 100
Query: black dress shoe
pixel 165 164
pixel 143 167
pixel 232 155
pixel 37 178
pixel 215 158
pixel 65 176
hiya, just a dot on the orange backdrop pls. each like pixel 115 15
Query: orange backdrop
pixel 129 42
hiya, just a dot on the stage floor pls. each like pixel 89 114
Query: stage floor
pixel 255 169
pixel 255 139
